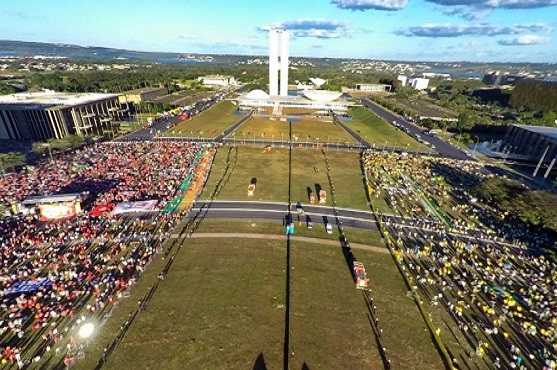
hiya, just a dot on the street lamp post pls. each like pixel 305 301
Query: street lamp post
pixel 49 150
pixel 506 152
pixel 2 167
pixel 477 141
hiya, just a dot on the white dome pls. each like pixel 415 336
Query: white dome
pixel 322 95
pixel 257 95
pixel 317 81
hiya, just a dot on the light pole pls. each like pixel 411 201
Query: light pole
pixel 477 141
pixel 506 152
pixel 2 167
pixel 49 151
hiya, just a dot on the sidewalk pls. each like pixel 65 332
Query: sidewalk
pixel 366 247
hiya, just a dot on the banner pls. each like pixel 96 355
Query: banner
pixel 27 286
pixel 322 197
pixel 56 211
pixel 143 206
pixel 103 208
pixel 173 205
pixel 185 185
pixel 251 190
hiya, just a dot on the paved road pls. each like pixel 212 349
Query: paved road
pixel 149 133
pixel 276 211
pixel 442 147
pixel 284 237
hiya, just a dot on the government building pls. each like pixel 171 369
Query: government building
pixel 47 114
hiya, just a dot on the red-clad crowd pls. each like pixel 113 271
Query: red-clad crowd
pixel 56 274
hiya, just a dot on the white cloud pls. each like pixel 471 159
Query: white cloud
pixel 478 29
pixel 524 40
pixel 475 9
pixel 317 28
pixel 370 4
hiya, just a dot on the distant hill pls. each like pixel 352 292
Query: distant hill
pixel 464 69
pixel 23 49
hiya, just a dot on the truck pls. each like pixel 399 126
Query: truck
pixel 360 275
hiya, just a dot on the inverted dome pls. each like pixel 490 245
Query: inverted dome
pixel 257 95
pixel 322 95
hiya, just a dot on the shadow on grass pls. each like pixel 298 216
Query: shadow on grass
pixel 348 256
pixel 260 363
pixel 317 191
pixel 374 323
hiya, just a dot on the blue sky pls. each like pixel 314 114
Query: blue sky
pixel 429 30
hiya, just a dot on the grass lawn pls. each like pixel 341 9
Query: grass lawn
pixel 215 311
pixel 376 131
pixel 270 170
pixel 319 130
pixel 209 123
pixel 296 111
pixel 329 324
pixel 406 338
pixel 212 311
pixel 275 227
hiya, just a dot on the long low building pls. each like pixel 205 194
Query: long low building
pixel 143 95
pixel 311 99
pixel 217 80
pixel 48 114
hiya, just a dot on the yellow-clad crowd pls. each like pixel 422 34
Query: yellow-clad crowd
pixel 480 272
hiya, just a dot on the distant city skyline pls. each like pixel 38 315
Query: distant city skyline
pixel 428 30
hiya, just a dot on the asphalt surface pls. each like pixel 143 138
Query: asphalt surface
pixel 442 147
pixel 350 218
pixel 150 132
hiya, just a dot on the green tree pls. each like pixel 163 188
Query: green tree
pixel 549 118
pixel 11 159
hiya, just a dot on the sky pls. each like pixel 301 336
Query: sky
pixel 413 30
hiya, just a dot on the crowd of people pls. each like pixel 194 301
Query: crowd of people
pixel 482 271
pixel 58 274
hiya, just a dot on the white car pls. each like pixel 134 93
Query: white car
pixel 329 228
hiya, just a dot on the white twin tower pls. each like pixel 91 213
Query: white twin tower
pixel 278 45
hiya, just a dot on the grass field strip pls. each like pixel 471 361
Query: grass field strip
pixel 350 132
pixel 281 204
pixel 282 212
pixel 350 258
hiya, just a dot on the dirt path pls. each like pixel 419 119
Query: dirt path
pixel 283 237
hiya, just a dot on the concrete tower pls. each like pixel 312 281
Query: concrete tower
pixel 273 61
pixel 278 39
pixel 284 63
